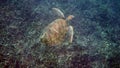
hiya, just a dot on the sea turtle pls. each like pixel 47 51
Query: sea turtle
pixel 57 31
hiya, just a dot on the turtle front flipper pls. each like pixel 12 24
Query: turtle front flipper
pixel 58 12
pixel 70 34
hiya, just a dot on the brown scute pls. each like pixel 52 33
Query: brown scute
pixel 55 32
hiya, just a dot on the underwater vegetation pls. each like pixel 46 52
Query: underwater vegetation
pixel 96 40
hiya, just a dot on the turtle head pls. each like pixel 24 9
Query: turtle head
pixel 70 17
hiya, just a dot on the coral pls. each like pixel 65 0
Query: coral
pixel 95 43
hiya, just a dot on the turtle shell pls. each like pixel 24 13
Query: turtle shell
pixel 55 32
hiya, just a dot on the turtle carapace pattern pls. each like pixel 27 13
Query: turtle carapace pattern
pixel 56 31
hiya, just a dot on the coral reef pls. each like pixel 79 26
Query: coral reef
pixel 96 41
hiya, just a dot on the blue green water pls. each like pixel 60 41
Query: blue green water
pixel 96 40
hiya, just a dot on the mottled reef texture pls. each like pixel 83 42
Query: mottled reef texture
pixel 96 42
